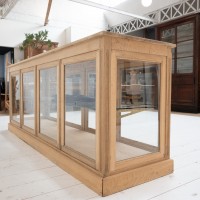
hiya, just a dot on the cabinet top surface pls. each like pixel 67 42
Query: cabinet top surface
pixel 97 36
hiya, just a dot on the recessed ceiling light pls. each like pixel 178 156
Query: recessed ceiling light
pixel 146 3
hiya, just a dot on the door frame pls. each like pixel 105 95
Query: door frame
pixel 196 59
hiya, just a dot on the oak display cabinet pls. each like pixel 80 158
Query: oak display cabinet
pixel 99 108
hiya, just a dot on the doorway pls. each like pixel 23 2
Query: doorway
pixel 6 58
pixel 183 33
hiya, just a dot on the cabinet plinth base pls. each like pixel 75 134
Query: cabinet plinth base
pixel 102 185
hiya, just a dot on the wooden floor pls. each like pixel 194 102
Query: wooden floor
pixel 26 174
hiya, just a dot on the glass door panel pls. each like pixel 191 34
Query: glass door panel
pixel 185 49
pixel 185 32
pixel 15 81
pixel 73 90
pixel 48 102
pixel 137 109
pixel 185 65
pixel 91 92
pixel 80 106
pixel 29 99
pixel 168 35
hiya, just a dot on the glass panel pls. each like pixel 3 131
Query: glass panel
pixel 80 114
pixel 137 109
pixel 185 49
pixel 73 84
pixel 173 64
pixel 48 102
pixel 28 99
pixel 92 93
pixel 168 35
pixel 185 65
pixel 173 53
pixel 16 98
pixel 185 32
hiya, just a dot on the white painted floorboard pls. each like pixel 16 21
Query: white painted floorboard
pixel 26 174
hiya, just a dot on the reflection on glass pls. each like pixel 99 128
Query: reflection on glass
pixel 185 65
pixel 173 64
pixel 173 53
pixel 91 93
pixel 80 107
pixel 73 84
pixel 168 35
pixel 185 32
pixel 28 99
pixel 16 98
pixel 137 109
pixel 185 49
pixel 48 102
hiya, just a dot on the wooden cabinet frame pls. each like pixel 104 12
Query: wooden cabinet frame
pixel 11 99
pixel 103 174
pixel 76 59
pixel 135 162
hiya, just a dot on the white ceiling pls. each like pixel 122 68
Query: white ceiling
pixel 29 15
pixel 65 13
pixel 135 6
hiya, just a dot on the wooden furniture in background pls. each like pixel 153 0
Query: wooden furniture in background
pixel 100 109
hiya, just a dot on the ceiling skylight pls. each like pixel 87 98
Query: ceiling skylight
pixel 111 3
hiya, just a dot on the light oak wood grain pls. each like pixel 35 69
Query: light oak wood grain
pixel 99 166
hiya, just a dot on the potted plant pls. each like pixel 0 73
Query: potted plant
pixel 37 43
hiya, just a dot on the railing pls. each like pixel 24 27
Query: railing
pixel 174 11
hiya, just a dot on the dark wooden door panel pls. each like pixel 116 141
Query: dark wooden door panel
pixel 185 95
pixel 184 80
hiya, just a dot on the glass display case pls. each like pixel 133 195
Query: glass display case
pixel 99 108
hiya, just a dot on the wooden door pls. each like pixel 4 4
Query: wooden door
pixel 184 68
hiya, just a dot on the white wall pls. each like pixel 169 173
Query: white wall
pixel 12 32
pixel 18 55
pixel 28 17
pixel 77 34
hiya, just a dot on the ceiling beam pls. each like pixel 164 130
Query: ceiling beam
pixel 111 9
pixel 6 7
pixel 47 13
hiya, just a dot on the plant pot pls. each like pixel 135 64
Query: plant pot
pixel 30 51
